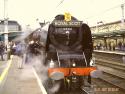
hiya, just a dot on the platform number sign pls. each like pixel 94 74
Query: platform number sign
pixel 67 17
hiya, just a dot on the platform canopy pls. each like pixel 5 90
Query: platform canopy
pixel 117 33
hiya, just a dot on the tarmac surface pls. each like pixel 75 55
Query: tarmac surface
pixel 19 81
pixel 3 63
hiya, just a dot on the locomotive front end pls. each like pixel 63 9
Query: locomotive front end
pixel 68 53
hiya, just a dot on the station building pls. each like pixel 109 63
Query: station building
pixel 14 29
pixel 109 34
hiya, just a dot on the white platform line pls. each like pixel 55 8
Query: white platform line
pixel 39 82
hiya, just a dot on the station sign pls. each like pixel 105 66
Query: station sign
pixel 59 23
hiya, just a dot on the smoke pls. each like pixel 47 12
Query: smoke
pixel 23 36
pixel 38 63
pixel 41 69
pixel 54 89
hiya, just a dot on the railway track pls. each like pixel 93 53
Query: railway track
pixel 109 84
pixel 113 64
pixel 114 80
pixel 72 92
pixel 114 56
pixel 113 74
pixel 103 87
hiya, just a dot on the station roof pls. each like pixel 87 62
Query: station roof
pixel 110 34
pixel 110 23
pixel 10 22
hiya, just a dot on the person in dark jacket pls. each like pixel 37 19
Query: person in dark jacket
pixel 2 48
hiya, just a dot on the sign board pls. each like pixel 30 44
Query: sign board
pixel 59 23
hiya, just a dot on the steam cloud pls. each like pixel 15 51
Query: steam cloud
pixel 37 61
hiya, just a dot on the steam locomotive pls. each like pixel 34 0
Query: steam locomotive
pixel 68 53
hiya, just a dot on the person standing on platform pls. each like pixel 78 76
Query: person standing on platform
pixel 23 51
pixel 9 50
pixel 2 49
pixel 120 45
pixel 20 53
pixel 110 47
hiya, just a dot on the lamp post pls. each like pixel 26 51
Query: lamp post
pixel 122 20
pixel 97 26
pixel 6 31
pixel 5 23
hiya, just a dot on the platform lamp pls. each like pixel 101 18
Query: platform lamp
pixel 5 23
pixel 98 23
pixel 122 20
pixel 6 31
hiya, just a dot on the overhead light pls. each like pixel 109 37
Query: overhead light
pixel 118 35
pixel 105 36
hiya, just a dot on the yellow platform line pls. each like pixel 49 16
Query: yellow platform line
pixel 5 71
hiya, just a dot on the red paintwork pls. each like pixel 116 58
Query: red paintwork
pixel 68 71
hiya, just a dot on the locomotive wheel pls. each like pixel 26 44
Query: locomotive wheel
pixel 60 46
pixel 89 79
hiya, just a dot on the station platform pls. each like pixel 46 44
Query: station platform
pixel 111 52
pixel 20 81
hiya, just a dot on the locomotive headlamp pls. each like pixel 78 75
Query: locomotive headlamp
pixel 31 42
pixel 92 62
pixel 74 64
pixel 51 64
